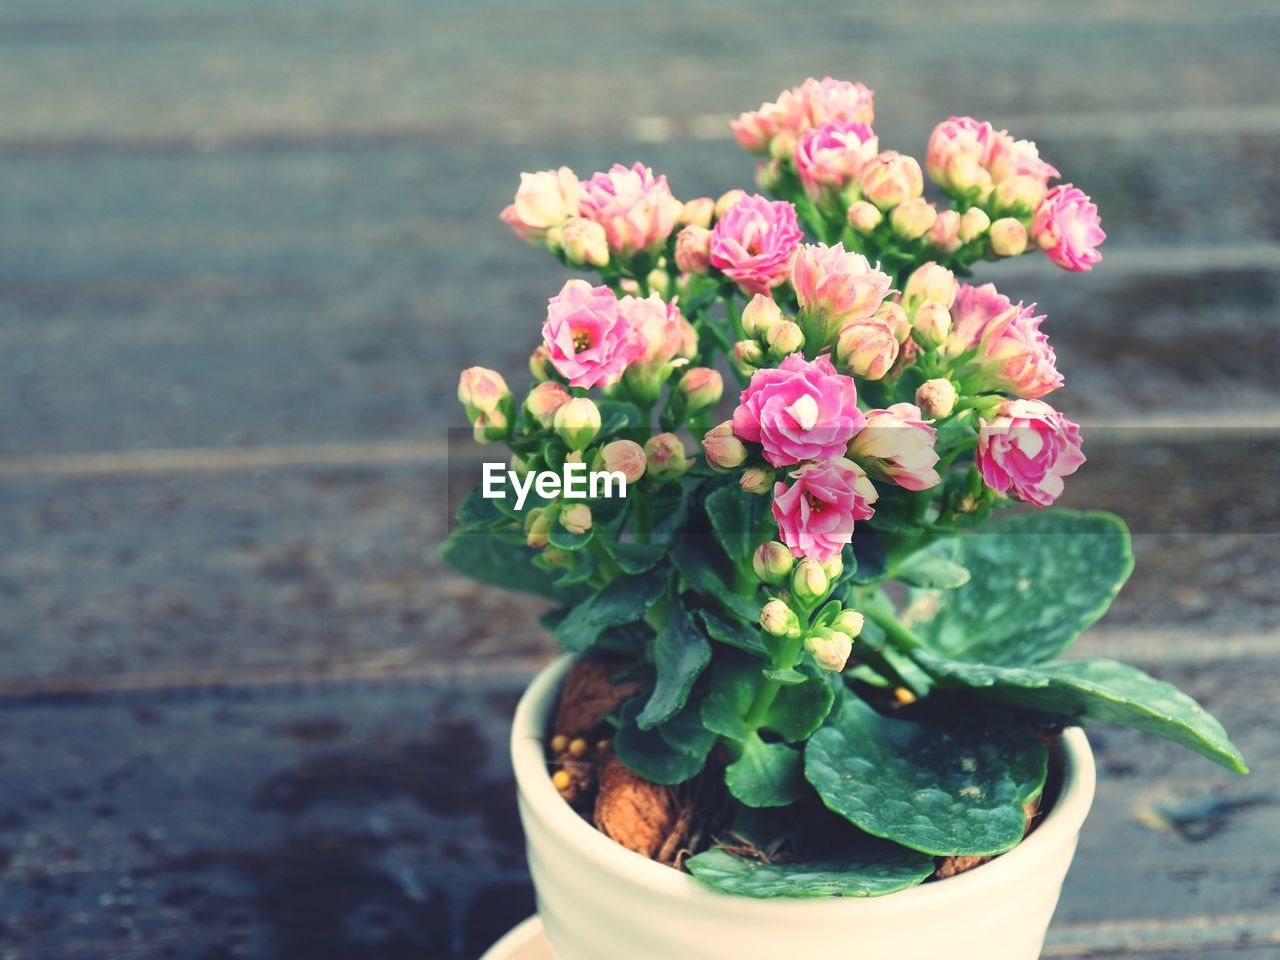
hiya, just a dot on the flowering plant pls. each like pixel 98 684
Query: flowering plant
pixel 827 616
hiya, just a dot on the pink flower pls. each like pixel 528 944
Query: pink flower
pixel 799 411
pixel 1027 449
pixel 800 109
pixel 656 326
pixel 1067 228
pixel 957 153
pixel 826 100
pixel 828 158
pixel 889 178
pixel 1007 157
pixel 587 339
pixel 635 208
pixel 693 249
pixel 898 445
pixel 543 201
pixel 834 287
pixel 816 513
pixel 755 241
pixel 1008 350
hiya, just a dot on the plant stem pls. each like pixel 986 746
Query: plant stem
pixel 901 635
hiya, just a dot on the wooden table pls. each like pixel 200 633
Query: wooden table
pixel 244 249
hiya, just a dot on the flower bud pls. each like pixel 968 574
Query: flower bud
pixel 833 567
pixel 576 518
pixel 748 357
pixel 1019 194
pixel 666 456
pixel 702 388
pixel 1008 237
pixel 727 201
pixel 769 175
pixel 577 422
pixel 936 398
pixel 932 323
pixel 830 649
pixel 809 582
pixel 913 218
pixel 973 224
pixel 930 281
pixel 783 145
pixel 897 319
pixel 867 349
pixel 785 339
pixel 658 279
pixel 555 557
pixel 537 525
pixel 693 250
pixel 697 212
pixel 760 316
pixel 573 456
pixel 625 457
pixel 864 217
pixel 518 465
pixel 849 622
pixel 540 364
pixel 584 243
pixel 488 427
pixel 779 620
pixel 890 178
pixel 756 480
pixel 772 562
pixel 723 448
pixel 544 400
pixel 481 390
pixel 945 232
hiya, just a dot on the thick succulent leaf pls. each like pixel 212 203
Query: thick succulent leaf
pixel 950 786
pixel 481 513
pixel 871 869
pixel 870 562
pixel 936 566
pixel 648 753
pixel 1105 691
pixel 681 652
pixel 766 775
pixel 797 710
pixel 736 633
pixel 696 568
pixel 635 557
pixel 558 536
pixel 489 558
pixel 1037 581
pixel 737 520
pixel 685 732
pixel 624 600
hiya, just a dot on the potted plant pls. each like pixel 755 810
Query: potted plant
pixel 814 669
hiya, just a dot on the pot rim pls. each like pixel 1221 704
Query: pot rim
pixel 528 758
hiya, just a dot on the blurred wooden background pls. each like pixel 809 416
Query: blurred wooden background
pixel 245 245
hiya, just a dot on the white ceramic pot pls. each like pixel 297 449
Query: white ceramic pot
pixel 599 901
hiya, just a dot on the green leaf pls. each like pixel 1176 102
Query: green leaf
pixel 870 564
pixel 698 572
pixel 558 536
pixel 766 775
pixel 1102 690
pixel 635 557
pixel 617 415
pixel 648 754
pixel 799 710
pixel 796 712
pixel 949 786
pixel 870 869
pixel 744 636
pixel 935 566
pixel 681 652
pixel 788 677
pixel 489 558
pixel 737 518
pixel 686 733
pixel 581 566
pixel 1038 581
pixel 480 513
pixel 624 600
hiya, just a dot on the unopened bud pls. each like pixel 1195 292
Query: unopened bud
pixel 1019 194
pixel 693 250
pixel 849 622
pixel 783 145
pixel 768 175
pixel 518 465
pixel 936 398
pixel 481 390
pixel 785 339
pixel 760 316
pixel 666 456
pixel 890 178
pixel 867 349
pixel 585 243
pixel 727 201
pixel 537 525
pixel 576 518
pixel 658 279
pixel 930 281
pixel 698 212
pixel 973 224
pixel 625 457
pixel 913 218
pixel 554 557
pixel 833 568
pixel 577 422
pixel 945 232
pixel 540 364
pixel 779 620
pixel 756 480
pixel 864 217
pixel 897 319
pixel 932 323
pixel 489 427
pixel 702 388
pixel 544 400
pixel 830 649
pixel 723 448
pixel 809 582
pixel 772 562
pixel 1008 237
pixel 688 340
pixel 748 357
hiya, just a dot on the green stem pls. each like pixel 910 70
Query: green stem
pixel 901 635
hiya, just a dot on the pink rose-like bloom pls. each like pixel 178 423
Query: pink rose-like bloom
pixel 799 411
pixel 588 339
pixel 802 108
pixel 957 153
pixel 1011 351
pixel 816 513
pixel 828 158
pixel 1027 449
pixel 635 208
pixel 693 249
pixel 1068 229
pixel 755 241
pixel 837 286
pixel 656 326
pixel 897 444
pixel 543 201
pixel 1007 157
